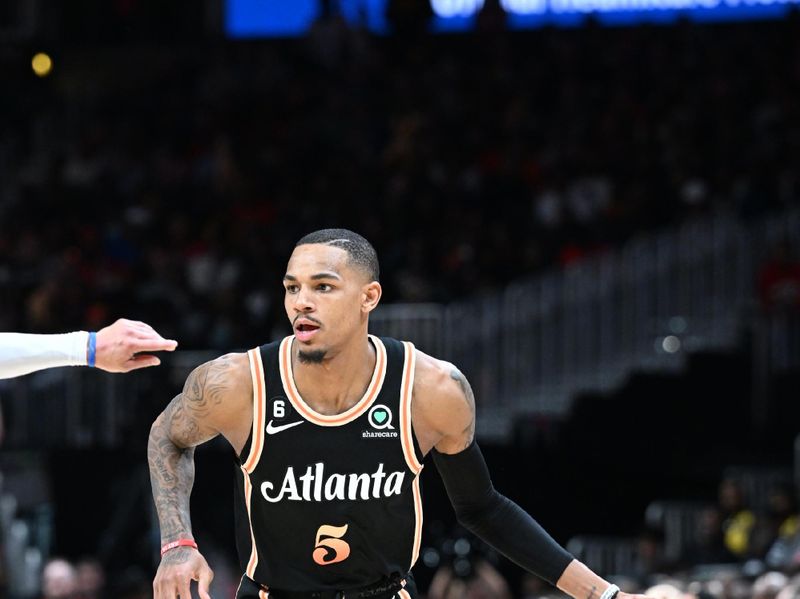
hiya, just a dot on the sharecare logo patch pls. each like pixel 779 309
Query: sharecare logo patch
pixel 315 485
pixel 380 419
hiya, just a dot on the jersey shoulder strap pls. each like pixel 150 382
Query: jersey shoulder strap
pixel 260 358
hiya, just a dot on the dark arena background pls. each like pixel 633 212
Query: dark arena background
pixel 592 207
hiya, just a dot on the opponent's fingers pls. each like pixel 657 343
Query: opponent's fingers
pixel 142 361
pixel 153 343
pixel 144 328
pixel 140 329
pixel 204 578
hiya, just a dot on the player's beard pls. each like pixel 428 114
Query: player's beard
pixel 314 356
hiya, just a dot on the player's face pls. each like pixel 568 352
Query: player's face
pixel 327 300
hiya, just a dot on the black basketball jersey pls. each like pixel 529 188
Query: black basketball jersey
pixel 329 502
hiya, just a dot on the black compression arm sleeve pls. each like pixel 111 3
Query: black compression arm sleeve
pixel 495 518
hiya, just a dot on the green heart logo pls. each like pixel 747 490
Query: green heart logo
pixel 380 416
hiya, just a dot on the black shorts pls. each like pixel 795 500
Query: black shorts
pixel 248 589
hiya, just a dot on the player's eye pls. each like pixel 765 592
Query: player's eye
pixel 291 288
pixel 324 287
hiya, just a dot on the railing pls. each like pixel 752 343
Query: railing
pixel 527 349
pixel 758 482
pixel 608 556
pixel 26 523
pixel 679 522
pixel 82 408
pixel 776 351
pixel 797 462
pixel 532 347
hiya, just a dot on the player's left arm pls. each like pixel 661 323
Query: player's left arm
pixel 447 405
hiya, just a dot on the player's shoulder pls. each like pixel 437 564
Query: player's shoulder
pixel 435 379
pixel 233 364
pixel 226 375
pixel 442 398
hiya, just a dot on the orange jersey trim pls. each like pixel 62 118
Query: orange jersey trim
pixel 407 442
pixel 419 518
pixel 406 392
pixel 252 564
pixel 259 408
pixel 373 389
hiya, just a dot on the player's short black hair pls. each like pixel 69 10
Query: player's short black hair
pixel 359 250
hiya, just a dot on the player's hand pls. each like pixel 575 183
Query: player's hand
pixel 622 595
pixel 123 346
pixel 178 568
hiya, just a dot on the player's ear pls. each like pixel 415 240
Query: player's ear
pixel 370 296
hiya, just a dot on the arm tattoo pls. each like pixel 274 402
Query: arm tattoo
pixel 593 593
pixel 469 431
pixel 170 448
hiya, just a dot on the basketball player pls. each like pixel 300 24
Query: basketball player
pixel 116 348
pixel 331 427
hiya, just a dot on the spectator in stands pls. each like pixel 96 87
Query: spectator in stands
pixel 206 183
pixel 708 546
pixel 91 579
pixel 467 572
pixel 650 559
pixel 737 519
pixel 533 587
pixel 665 590
pixel 779 522
pixel 767 586
pixel 784 554
pixel 482 582
pixel 59 579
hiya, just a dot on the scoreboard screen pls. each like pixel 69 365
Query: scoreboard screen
pixel 287 18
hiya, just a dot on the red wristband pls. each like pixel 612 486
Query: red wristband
pixel 178 543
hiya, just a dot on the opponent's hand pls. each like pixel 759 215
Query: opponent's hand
pixel 119 346
pixel 178 568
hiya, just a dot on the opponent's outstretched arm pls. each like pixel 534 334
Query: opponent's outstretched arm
pixel 448 407
pixel 207 406
pixel 119 347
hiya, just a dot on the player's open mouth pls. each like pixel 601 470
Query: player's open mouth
pixel 305 330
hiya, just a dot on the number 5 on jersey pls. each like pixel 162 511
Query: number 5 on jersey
pixel 329 548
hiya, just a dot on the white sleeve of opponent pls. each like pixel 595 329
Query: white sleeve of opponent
pixel 21 353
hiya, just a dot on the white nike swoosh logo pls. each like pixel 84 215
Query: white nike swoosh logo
pixel 271 430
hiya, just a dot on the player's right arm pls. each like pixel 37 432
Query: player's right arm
pixel 216 399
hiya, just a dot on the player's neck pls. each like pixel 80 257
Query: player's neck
pixel 339 381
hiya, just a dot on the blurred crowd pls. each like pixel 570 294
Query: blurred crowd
pixel 170 184
pixel 738 552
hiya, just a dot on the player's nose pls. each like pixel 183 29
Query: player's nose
pixel 302 302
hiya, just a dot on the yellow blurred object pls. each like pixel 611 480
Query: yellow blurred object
pixel 789 527
pixel 737 531
pixel 42 64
